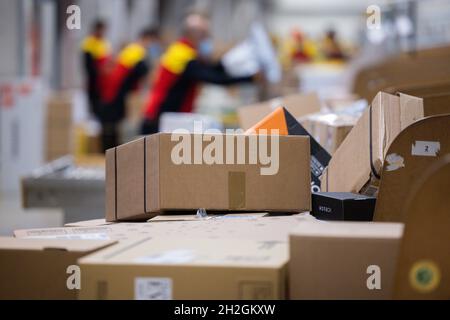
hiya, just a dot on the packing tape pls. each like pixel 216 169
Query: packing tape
pixel 236 190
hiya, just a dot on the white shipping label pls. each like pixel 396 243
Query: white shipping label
pixel 153 289
pixel 82 236
pixel 168 257
pixel 425 148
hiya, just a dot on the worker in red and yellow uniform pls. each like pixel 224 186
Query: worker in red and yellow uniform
pixel 96 54
pixel 182 67
pixel 130 68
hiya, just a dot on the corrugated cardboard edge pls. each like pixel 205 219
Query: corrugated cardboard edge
pixel 110 185
pixel 130 165
pixel 152 174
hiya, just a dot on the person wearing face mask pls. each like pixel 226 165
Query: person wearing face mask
pixel 130 68
pixel 184 65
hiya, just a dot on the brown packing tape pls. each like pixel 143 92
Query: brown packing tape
pixel 236 190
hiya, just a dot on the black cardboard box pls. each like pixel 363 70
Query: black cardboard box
pixel 342 206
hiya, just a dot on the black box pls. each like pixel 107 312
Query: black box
pixel 345 206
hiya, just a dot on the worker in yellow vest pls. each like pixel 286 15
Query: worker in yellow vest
pixel 96 54
pixel 131 66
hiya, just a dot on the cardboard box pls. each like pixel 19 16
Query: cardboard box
pixel 280 119
pixel 419 147
pixel 356 164
pixel 37 269
pixel 427 66
pixel 59 134
pixel 329 129
pixel 185 268
pixel 341 260
pixel 424 261
pixel 297 104
pixel 143 179
pixel 255 226
pixel 345 206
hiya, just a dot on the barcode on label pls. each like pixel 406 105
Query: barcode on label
pixel 153 289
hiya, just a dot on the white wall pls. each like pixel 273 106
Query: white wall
pixel 314 17
pixel 9 38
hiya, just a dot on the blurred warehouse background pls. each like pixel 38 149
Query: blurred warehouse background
pixel 51 162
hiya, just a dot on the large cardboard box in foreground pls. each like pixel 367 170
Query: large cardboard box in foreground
pixel 37 269
pixel 356 164
pixel 186 268
pixel 343 260
pixel 154 174
pixel 297 104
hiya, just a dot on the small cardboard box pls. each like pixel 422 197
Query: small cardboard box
pixel 329 129
pixel 297 104
pixel 186 268
pixel 356 164
pixel 148 175
pixel 343 260
pixel 345 206
pixel 37 268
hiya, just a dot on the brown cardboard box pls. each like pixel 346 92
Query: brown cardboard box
pixel 417 148
pixel 142 179
pixel 297 104
pixel 58 125
pixel 37 269
pixel 357 162
pixel 329 129
pixel 186 268
pixel 253 226
pixel 332 260
pixel 405 70
pixel 424 261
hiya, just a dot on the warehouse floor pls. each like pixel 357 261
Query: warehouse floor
pixel 13 216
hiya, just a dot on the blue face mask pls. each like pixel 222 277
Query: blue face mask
pixel 205 48
pixel 154 51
